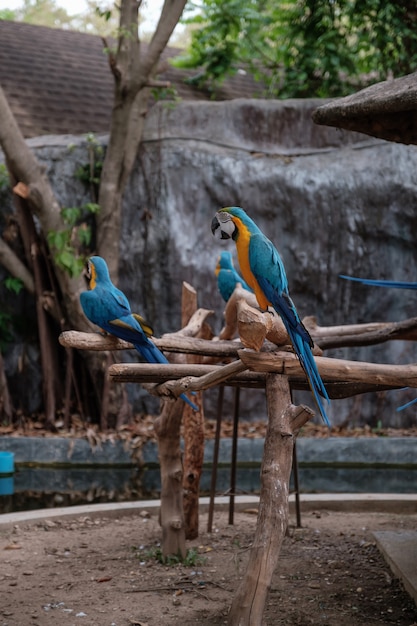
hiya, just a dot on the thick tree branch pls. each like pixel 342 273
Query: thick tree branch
pixel 170 15
pixel 11 262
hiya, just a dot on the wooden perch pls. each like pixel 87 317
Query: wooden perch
pixel 193 421
pixel 250 599
pixel 254 327
pixel 325 336
pixel 337 370
pixel 194 326
pixel 169 343
pixel 167 429
pixel 230 313
pixel 360 334
pixel 199 383
pixel 342 378
pixel 242 315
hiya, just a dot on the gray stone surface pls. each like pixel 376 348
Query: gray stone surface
pixel 400 551
pixel 358 451
pixel 332 201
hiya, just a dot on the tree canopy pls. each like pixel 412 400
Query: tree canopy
pixel 303 48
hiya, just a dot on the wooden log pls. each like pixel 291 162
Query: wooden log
pixel 333 369
pixel 193 421
pixel 249 602
pixel 154 373
pixel 229 329
pixel 242 315
pixel 254 327
pixel 169 343
pixel 361 334
pixel 193 383
pixel 326 337
pixel 167 429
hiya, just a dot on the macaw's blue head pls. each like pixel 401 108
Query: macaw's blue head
pixel 97 271
pixel 228 222
pixel 225 261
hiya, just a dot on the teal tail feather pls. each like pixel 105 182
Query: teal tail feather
pixel 396 284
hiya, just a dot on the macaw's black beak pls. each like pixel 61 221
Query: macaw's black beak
pixel 214 224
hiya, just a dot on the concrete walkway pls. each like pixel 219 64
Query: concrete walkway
pixel 398 548
pixel 400 552
pixel 387 503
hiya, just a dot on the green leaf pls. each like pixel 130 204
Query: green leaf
pixel 13 284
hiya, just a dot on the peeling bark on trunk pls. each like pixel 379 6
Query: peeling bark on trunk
pixel 249 602
pixel 193 429
pixel 167 429
pixel 193 464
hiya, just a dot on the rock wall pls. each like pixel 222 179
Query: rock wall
pixel 332 201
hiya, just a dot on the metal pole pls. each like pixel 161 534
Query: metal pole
pixel 234 456
pixel 296 485
pixel 215 458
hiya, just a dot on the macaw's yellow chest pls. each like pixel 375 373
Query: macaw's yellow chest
pixel 242 247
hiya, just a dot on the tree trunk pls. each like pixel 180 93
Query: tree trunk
pixel 249 602
pixel 6 408
pixel 31 175
pixel 167 429
pixel 133 75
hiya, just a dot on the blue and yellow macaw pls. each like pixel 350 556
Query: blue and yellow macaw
pixel 395 284
pixel 108 307
pixel 228 277
pixel 264 271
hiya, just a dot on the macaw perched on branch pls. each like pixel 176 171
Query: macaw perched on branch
pixel 227 276
pixel 108 307
pixel 395 284
pixel 264 271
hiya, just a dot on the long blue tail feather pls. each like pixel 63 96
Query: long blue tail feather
pixel 396 284
pixel 405 406
pixel 309 365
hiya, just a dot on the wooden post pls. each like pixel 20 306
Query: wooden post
pixel 193 428
pixel 167 429
pixel 249 602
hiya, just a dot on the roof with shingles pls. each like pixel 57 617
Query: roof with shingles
pixel 59 82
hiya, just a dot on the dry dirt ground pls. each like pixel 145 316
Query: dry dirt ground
pixel 101 571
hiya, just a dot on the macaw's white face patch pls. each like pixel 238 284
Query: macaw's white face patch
pixel 222 225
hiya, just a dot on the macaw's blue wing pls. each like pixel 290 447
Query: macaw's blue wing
pixel 146 327
pixel 396 284
pixel 268 269
pixel 129 329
